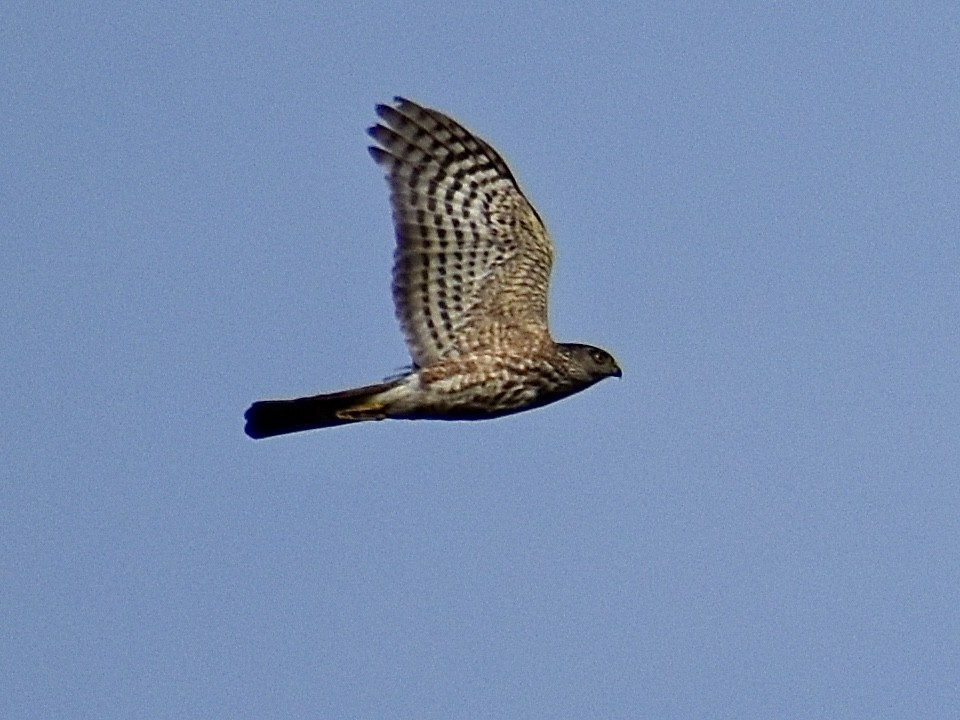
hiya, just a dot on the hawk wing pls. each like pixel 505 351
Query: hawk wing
pixel 472 264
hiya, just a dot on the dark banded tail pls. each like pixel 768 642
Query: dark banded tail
pixel 268 418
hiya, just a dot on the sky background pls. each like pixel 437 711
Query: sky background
pixel 756 209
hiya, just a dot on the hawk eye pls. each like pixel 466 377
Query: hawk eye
pixel 597 356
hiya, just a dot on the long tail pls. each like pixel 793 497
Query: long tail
pixel 268 418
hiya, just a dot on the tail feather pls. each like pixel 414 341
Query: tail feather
pixel 268 418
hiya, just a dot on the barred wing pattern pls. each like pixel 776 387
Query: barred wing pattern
pixel 472 264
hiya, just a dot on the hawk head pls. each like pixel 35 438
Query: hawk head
pixel 590 364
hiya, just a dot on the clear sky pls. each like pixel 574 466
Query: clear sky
pixel 756 210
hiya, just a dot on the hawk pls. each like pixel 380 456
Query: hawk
pixel 470 279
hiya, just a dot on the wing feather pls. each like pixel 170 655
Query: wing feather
pixel 472 263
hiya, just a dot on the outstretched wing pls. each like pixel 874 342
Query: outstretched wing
pixel 472 264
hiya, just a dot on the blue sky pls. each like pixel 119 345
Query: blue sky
pixel 755 209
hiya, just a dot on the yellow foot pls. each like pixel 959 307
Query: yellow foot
pixel 371 411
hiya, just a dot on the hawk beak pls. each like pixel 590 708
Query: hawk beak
pixel 618 373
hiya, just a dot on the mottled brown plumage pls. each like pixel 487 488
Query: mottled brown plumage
pixel 470 280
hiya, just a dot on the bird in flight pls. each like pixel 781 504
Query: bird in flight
pixel 470 279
